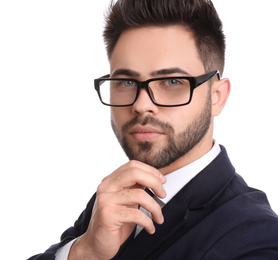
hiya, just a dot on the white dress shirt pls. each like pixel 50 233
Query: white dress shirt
pixel 175 182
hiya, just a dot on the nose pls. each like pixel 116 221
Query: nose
pixel 144 105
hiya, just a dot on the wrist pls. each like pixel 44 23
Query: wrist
pixel 81 251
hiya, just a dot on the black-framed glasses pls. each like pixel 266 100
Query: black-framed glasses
pixel 164 92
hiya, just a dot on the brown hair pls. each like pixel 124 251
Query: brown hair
pixel 198 16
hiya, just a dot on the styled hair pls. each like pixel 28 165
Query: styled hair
pixel 197 16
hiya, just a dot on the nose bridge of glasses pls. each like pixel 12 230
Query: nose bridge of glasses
pixel 144 86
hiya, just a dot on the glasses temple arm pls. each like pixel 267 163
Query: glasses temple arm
pixel 202 79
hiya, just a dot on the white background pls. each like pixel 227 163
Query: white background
pixel 55 139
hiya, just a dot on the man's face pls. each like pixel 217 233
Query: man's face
pixel 161 136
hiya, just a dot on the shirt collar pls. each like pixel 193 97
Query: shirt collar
pixel 178 179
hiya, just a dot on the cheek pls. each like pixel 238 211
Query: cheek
pixel 183 116
pixel 180 117
pixel 119 116
pixel 115 117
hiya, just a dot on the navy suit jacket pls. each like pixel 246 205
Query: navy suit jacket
pixel 215 216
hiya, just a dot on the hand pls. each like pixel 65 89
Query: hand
pixel 116 212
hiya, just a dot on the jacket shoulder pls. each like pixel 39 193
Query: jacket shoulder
pixel 247 226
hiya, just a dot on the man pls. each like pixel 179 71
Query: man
pixel 179 196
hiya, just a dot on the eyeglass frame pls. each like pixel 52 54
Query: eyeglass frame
pixel 194 83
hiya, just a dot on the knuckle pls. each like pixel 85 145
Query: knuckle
pixel 156 174
pixel 105 211
pixel 133 171
pixel 135 195
pixel 141 194
pixel 101 188
pixel 132 197
pixel 133 163
pixel 128 194
pixel 138 215
pixel 101 200
pixel 117 179
pixel 142 219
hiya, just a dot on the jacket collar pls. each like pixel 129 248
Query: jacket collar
pixel 176 180
pixel 209 183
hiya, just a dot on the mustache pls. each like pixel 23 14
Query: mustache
pixel 148 120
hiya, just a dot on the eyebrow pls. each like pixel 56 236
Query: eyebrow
pixel 162 72
pixel 125 72
pixel 168 71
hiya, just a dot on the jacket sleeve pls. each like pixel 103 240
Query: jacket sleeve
pixel 79 228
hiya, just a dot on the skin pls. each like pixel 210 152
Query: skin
pixel 146 52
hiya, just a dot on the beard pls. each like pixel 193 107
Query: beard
pixel 176 145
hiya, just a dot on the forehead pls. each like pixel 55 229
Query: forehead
pixel 149 49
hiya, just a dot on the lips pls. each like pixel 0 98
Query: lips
pixel 144 133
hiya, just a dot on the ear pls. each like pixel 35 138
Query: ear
pixel 220 93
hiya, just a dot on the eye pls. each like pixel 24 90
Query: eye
pixel 172 82
pixel 128 83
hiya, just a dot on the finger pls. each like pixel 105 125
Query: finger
pixel 140 165
pixel 130 177
pixel 112 217
pixel 135 197
pixel 131 215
